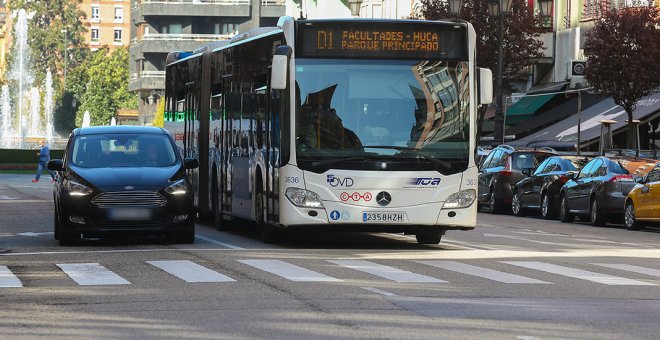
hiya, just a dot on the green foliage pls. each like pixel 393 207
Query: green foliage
pixel 521 31
pixel 159 116
pixel 65 115
pixel 622 53
pixel 25 156
pixel 45 36
pixel 106 78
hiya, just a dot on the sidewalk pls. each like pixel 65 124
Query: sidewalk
pixel 25 179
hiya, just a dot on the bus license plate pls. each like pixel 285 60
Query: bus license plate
pixel 388 217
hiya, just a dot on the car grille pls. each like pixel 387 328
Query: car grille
pixel 129 199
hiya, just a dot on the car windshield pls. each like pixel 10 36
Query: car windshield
pixel 409 112
pixel 122 150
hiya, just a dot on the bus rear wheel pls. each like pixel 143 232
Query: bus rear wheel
pixel 429 237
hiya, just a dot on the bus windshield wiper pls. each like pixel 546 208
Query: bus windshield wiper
pixel 337 160
pixel 442 164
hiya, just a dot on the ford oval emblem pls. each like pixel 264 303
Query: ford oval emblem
pixel 128 187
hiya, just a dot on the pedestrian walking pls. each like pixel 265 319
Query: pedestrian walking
pixel 44 157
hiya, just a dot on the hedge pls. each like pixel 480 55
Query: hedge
pixel 25 157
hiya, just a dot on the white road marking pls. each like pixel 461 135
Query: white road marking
pixel 522 239
pixel 289 271
pixel 631 268
pixel 8 279
pixel 207 239
pixel 378 291
pixel 386 272
pixel 33 234
pixel 25 201
pixel 91 274
pixel 578 273
pixel 481 272
pixel 190 272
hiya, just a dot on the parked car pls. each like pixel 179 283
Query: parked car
pixel 643 201
pixel 502 169
pixel 540 191
pixel 122 180
pixel 599 190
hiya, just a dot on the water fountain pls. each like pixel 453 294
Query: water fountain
pixel 21 130
pixel 86 119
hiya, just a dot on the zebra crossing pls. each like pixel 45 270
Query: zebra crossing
pixel 95 274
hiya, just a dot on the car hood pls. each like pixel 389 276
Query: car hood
pixel 140 178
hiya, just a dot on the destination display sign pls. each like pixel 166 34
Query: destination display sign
pixel 394 40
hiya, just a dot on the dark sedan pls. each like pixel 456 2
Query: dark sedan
pixel 540 191
pixel 599 190
pixel 122 180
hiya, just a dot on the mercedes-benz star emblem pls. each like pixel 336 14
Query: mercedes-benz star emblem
pixel 383 198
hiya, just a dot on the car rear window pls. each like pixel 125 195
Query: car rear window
pixel 528 160
pixel 616 168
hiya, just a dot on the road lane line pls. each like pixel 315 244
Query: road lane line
pixel 289 271
pixel 578 273
pixel 8 279
pixel 190 272
pixel 207 239
pixel 386 272
pixel 378 291
pixel 91 274
pixel 631 268
pixel 481 272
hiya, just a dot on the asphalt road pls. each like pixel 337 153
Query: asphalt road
pixel 511 278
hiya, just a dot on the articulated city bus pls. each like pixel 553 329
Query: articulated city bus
pixel 348 124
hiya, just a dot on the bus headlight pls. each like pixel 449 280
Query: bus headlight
pixel 304 198
pixel 461 199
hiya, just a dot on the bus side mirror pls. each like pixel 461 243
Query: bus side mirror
pixel 485 85
pixel 280 67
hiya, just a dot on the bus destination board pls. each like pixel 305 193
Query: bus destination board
pixel 383 40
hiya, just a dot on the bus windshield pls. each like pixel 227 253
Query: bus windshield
pixel 412 114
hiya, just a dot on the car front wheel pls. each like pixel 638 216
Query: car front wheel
pixel 564 215
pixel 516 208
pixel 547 210
pixel 629 217
pixel 597 217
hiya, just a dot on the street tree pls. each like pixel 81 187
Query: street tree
pixel 622 52
pixel 521 31
pixel 106 90
pixel 46 37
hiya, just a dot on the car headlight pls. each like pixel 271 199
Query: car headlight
pixel 461 199
pixel 77 189
pixel 178 188
pixel 304 198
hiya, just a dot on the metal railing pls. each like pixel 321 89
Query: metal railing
pixel 182 37
pixel 148 74
pixel 196 2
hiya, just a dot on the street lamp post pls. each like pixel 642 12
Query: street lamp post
pixel 354 6
pixel 498 8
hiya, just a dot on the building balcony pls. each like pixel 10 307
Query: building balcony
pixel 165 43
pixel 273 8
pixel 182 8
pixel 147 81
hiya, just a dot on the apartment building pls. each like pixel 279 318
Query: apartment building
pixel 161 26
pixel 108 23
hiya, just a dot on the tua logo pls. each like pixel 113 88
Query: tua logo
pixel 340 182
pixel 425 181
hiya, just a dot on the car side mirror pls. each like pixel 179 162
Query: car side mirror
pixel 638 179
pixel 190 163
pixel 570 175
pixel 527 171
pixel 55 165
